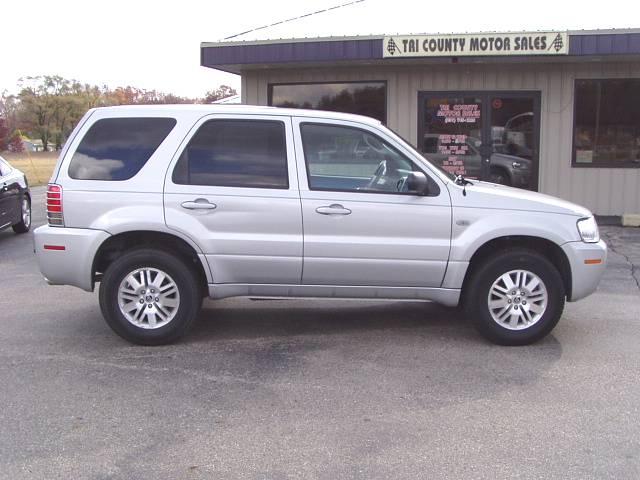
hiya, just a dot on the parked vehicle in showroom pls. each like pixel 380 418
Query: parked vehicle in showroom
pixel 15 199
pixel 190 201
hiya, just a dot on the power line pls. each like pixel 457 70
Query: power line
pixel 296 18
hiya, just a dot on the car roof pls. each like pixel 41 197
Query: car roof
pixel 205 109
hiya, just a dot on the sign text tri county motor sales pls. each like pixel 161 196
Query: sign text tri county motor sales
pixel 538 43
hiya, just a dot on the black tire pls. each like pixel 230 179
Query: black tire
pixel 185 279
pixel 476 296
pixel 22 226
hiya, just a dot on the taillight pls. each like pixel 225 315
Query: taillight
pixel 54 205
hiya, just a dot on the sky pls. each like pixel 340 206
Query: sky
pixel 156 45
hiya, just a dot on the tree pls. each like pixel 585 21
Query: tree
pixel 15 144
pixel 42 102
pixel 9 106
pixel 4 134
pixel 223 91
pixel 48 107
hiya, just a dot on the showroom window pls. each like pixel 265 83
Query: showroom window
pixel 606 130
pixel 362 98
pixel 235 153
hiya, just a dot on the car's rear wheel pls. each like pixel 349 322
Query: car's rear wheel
pixel 150 297
pixel 515 297
pixel 24 224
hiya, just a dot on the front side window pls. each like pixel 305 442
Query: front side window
pixel 361 98
pixel 606 130
pixel 340 158
pixel 235 153
pixel 118 148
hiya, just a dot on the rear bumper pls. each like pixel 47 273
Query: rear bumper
pixel 65 255
pixel 585 273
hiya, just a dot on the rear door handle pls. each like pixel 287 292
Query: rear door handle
pixel 333 209
pixel 199 204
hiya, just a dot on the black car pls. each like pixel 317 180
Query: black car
pixel 15 199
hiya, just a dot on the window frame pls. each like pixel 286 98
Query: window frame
pixel 433 184
pixel 602 164
pixel 333 82
pixel 194 127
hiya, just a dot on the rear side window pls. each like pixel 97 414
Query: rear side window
pixel 235 153
pixel 117 148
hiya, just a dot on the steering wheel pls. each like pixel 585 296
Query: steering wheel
pixel 401 184
pixel 374 144
pixel 381 170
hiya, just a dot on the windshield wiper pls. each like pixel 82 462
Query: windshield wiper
pixel 460 180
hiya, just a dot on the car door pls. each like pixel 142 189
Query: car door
pixel 361 225
pixel 8 196
pixel 233 190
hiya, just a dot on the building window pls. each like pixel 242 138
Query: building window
pixel 606 130
pixel 362 98
pixel 235 153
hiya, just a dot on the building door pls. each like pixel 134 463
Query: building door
pixel 492 136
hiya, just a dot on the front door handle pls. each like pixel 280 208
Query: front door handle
pixel 333 209
pixel 199 204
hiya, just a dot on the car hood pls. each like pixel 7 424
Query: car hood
pixel 494 196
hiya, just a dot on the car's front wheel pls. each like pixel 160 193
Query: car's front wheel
pixel 150 297
pixel 515 297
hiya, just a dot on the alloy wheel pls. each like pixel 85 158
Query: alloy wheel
pixel 148 298
pixel 517 299
pixel 26 212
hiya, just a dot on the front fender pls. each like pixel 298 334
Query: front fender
pixel 473 227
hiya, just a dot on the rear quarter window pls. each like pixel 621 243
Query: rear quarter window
pixel 117 148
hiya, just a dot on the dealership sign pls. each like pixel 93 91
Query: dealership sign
pixel 481 44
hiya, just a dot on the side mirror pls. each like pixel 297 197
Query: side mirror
pixel 417 183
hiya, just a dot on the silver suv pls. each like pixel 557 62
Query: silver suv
pixel 164 205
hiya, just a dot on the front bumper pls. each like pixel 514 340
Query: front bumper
pixel 65 255
pixel 585 272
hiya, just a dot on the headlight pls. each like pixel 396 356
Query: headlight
pixel 516 165
pixel 588 229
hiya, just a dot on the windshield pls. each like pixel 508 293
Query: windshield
pixel 441 170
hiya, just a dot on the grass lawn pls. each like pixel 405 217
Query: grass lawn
pixel 37 166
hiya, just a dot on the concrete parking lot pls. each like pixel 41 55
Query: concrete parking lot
pixel 316 389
